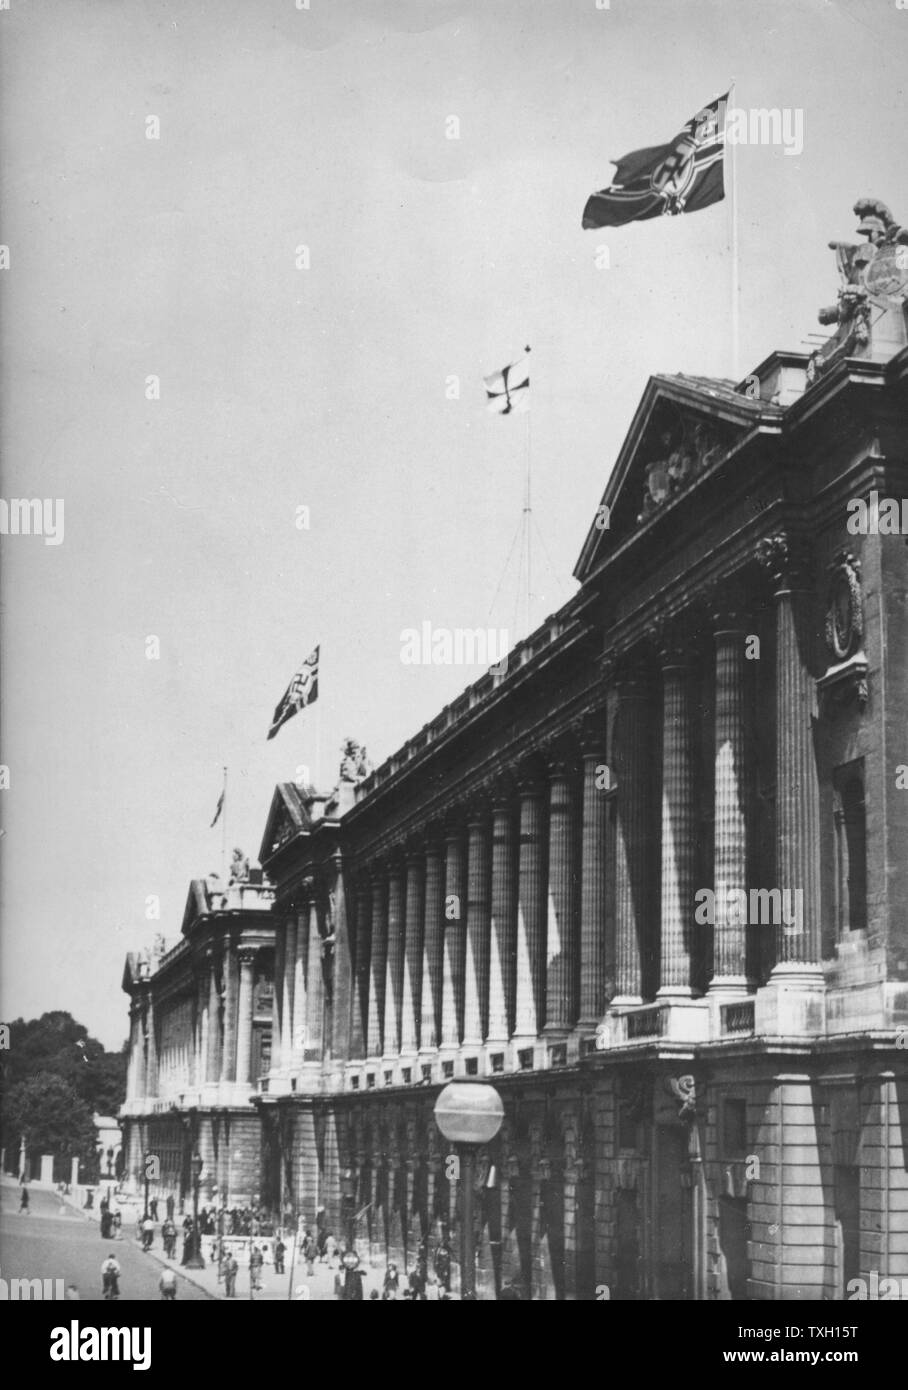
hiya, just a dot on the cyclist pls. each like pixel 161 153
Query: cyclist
pixel 110 1276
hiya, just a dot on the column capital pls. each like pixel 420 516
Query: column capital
pixel 478 813
pixel 671 638
pixel 501 792
pixel 786 556
pixel 591 734
pixel 246 955
pixel 414 853
pixel 633 677
pixel 725 605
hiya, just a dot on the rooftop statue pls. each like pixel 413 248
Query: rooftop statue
pixel 355 762
pixel 239 867
pixel 872 272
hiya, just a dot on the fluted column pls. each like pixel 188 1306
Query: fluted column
pixel 730 835
pixel 315 984
pixel 299 1018
pixel 593 878
pixel 633 889
pixel 503 927
pixel 202 1016
pixel 393 973
pixel 132 1071
pixel 476 970
pixel 433 936
pixel 246 955
pixel 359 1025
pixel 560 942
pixel 528 999
pixel 377 963
pixel 677 897
pixel 278 1022
pixel 213 1069
pixel 151 1054
pixel 411 990
pixel 228 1051
pixel 454 940
pixel 797 792
pixel 287 1038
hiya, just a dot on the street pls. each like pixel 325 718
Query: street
pixel 57 1242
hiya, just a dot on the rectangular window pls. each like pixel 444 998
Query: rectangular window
pixel 354 1083
pixel 525 1059
pixel 497 1060
pixel 472 1066
pixel 447 1070
pixel 426 1071
pixel 389 1077
pixel 370 1081
pixel 850 815
pixel 407 1074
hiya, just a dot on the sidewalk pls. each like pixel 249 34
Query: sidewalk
pixel 275 1287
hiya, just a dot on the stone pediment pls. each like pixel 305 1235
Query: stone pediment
pixel 683 428
pixel 288 816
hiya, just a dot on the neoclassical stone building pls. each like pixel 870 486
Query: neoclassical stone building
pixel 650 881
pixel 200 1039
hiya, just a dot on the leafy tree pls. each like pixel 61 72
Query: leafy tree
pixel 53 1076
pixel 56 1043
pixel 51 1115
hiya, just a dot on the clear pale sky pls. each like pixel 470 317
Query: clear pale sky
pixel 326 387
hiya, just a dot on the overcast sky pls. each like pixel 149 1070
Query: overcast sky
pixel 325 387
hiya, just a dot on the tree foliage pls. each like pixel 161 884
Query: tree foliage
pixel 48 1053
pixel 51 1115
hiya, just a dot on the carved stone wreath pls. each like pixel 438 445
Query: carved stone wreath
pixel 844 610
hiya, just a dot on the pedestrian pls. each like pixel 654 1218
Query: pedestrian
pixel 230 1272
pixel 417 1283
pixel 89 1198
pixel 330 1249
pixel 391 1285
pixel 443 1264
pixel 310 1250
pixel 110 1278
pixel 353 1284
pixel 117 1222
pixel 170 1205
pixel 256 1260
pixel 153 1208
pixel 280 1251
pixel 23 1201
pixel 147 1232
pixel 168 1285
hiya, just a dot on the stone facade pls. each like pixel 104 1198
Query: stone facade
pixel 649 881
pixel 200 1036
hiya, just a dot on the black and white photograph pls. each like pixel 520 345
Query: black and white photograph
pixel 454 626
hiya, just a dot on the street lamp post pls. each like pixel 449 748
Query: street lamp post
pixel 469 1113
pixel 145 1213
pixel 195 1260
pixel 348 1195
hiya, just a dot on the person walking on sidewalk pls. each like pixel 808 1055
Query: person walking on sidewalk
pixel 168 1285
pixel 256 1260
pixel 147 1232
pixel 310 1250
pixel 280 1251
pixel 231 1268
pixel 23 1200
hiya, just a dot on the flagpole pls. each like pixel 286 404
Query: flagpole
pixel 735 283
pixel 527 512
pixel 224 830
